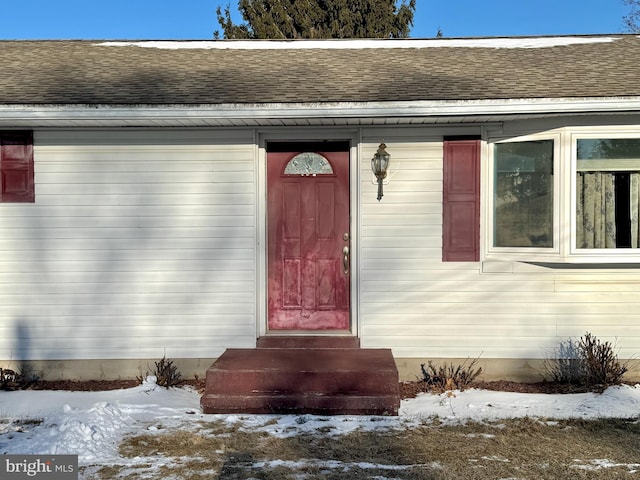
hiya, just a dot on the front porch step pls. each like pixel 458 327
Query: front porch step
pixel 308 342
pixel 301 403
pixel 324 381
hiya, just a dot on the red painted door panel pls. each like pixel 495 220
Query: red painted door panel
pixel 16 167
pixel 308 229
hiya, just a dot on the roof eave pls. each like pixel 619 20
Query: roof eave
pixel 427 111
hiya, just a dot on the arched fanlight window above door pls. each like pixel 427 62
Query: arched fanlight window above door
pixel 308 163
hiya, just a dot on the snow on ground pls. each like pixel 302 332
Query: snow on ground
pixel 91 424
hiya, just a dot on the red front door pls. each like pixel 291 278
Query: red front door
pixel 308 240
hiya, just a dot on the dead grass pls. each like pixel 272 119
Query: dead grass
pixel 518 449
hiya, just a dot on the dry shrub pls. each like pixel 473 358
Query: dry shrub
pixel 566 366
pixel 166 373
pixel 12 380
pixel 588 363
pixel 601 365
pixel 449 377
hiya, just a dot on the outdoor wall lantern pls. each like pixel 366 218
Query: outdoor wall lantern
pixel 380 165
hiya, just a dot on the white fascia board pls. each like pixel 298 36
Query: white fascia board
pixel 168 113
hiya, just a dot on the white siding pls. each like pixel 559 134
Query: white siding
pixel 140 244
pixel 411 301
pixel 144 243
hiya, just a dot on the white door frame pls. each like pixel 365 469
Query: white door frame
pixel 301 134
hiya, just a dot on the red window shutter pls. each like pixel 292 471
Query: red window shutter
pixel 461 201
pixel 16 166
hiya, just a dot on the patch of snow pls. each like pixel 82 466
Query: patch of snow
pixel 479 405
pixel 496 458
pixel 92 424
pixel 602 463
pixel 89 424
pixel 335 465
pixel 480 435
pixel 283 426
pixel 513 42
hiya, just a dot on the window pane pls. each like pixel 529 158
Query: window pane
pixel 593 149
pixel 523 194
pixel 607 193
pixel 308 163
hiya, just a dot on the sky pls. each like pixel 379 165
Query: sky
pixel 196 19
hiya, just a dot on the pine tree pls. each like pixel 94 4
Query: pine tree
pixel 632 19
pixel 289 19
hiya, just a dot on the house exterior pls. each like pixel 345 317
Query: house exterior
pixel 181 198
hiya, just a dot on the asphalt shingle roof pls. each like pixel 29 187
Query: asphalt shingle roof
pixel 88 72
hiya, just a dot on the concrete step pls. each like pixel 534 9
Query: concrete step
pixel 306 403
pixel 303 380
pixel 304 370
pixel 308 342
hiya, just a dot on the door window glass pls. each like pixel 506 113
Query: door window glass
pixel 308 163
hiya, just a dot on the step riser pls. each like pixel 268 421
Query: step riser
pixel 301 404
pixel 308 342
pixel 300 382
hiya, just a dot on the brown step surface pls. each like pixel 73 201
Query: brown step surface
pixel 303 370
pixel 303 380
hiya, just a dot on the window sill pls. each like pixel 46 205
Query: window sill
pixel 549 265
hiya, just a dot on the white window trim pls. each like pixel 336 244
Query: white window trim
pixel 596 255
pixel 564 248
pixel 521 253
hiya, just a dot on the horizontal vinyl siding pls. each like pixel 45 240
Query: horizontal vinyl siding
pixel 421 307
pixel 401 249
pixel 140 244
pixel 603 303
